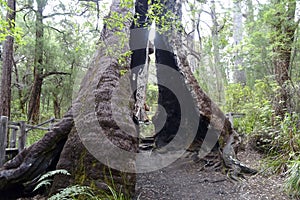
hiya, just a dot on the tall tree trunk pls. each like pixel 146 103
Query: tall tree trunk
pixel 250 11
pixel 284 27
pixel 7 65
pixel 22 99
pixel 238 71
pixel 36 91
pixel 217 68
pixel 56 105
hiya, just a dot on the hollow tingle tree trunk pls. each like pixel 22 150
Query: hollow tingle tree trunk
pixel 78 143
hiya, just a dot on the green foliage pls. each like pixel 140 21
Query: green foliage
pixel 115 195
pixel 77 191
pixel 84 192
pixel 68 45
pixel 46 179
pixel 3 29
pixel 72 192
pixel 152 94
pixel 279 138
pixel 165 19
pixel 127 4
pixel 255 103
pixel 292 183
pixel 34 135
pixel 9 28
pixel 123 59
pixel 3 23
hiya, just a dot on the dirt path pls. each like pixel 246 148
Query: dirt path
pixel 183 180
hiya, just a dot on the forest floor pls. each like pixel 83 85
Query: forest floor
pixel 184 180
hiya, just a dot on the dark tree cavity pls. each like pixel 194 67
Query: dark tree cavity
pixel 184 105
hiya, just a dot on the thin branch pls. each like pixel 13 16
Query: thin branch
pixel 98 14
pixel 57 30
pixel 54 73
pixel 199 32
pixel 67 13
pixel 24 18
pixel 58 14
pixel 204 22
pixel 30 7
pixel 194 53
pixel 95 1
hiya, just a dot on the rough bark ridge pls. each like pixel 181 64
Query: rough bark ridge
pixel 228 140
pixel 62 147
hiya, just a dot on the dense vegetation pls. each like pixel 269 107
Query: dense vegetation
pixel 246 57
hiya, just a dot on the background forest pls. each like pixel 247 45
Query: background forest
pixel 245 55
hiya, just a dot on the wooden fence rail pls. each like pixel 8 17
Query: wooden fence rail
pixel 16 141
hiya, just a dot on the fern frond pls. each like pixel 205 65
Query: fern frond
pixel 44 183
pixel 45 180
pixel 52 173
pixel 73 191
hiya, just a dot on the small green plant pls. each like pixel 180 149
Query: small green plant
pixel 115 195
pixel 79 192
pixel 85 192
pixel 46 179
pixel 73 192
pixel 292 183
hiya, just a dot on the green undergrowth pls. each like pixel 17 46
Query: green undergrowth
pixel 277 138
pixel 79 191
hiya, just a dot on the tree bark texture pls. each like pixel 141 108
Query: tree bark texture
pixel 63 147
pixel 205 107
pixel 36 90
pixel 102 78
pixel 217 67
pixel 7 65
pixel 238 71
pixel 284 27
pixel 214 129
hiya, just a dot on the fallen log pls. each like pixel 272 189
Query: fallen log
pixel 17 176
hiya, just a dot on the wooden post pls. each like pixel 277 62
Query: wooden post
pixel 22 136
pixel 13 138
pixel 3 139
pixel 230 118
